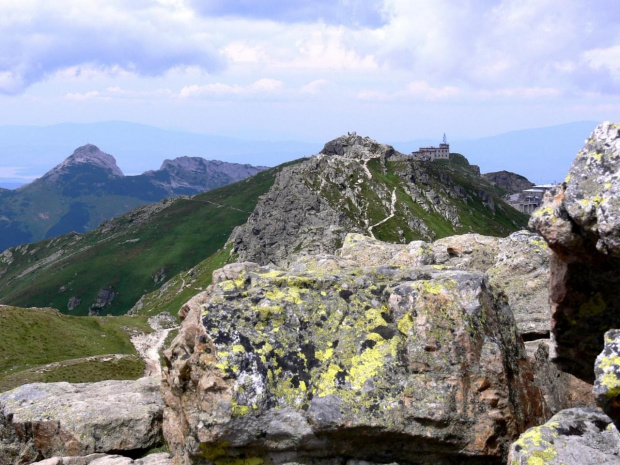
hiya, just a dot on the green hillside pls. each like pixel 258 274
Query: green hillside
pixel 33 338
pixel 130 255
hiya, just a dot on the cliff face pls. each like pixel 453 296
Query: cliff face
pixel 580 221
pixel 359 185
pixel 340 358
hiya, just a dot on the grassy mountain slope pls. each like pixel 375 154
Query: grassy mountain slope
pixel 129 255
pixel 33 338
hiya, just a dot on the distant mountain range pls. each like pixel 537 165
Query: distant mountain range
pixel 542 155
pixel 354 185
pixel 88 188
pixel 26 152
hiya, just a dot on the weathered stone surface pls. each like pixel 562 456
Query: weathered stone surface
pixel 57 419
pixel 331 361
pixel 580 220
pixel 572 437
pixel 561 390
pixel 104 459
pixel 521 273
pixel 517 268
pixel 466 251
pixel 607 371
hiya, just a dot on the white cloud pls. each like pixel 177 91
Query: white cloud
pixel 422 90
pixel 262 86
pixel 314 87
pixel 604 58
pixel 83 96
pixel 41 38
pixel 483 45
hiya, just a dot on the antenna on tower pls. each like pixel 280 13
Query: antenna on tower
pixel 445 140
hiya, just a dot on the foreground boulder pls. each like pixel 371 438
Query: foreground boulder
pixel 607 370
pixel 572 437
pixel 329 360
pixel 39 421
pixel 581 224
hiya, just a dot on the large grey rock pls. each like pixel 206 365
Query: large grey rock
pixel 335 359
pixel 40 420
pixel 517 268
pixel 607 371
pixel 580 220
pixel 572 437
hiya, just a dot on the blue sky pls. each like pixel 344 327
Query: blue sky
pixel 311 70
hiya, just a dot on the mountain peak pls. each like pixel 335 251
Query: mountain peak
pixel 354 146
pixel 88 154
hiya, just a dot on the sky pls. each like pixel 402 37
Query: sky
pixel 311 70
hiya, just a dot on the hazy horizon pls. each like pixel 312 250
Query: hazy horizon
pixel 310 70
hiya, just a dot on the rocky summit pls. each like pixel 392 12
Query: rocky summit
pixel 356 184
pixel 336 358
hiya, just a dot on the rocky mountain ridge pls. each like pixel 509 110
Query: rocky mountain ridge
pixel 356 184
pixel 88 187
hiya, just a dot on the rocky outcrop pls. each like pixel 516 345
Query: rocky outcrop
pixel 105 296
pixel 190 175
pixel 341 359
pixel 39 421
pixel 104 459
pixel 580 222
pixel 572 437
pixel 357 185
pixel 290 217
pixel 512 182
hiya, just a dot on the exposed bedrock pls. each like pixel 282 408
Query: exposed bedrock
pixel 338 359
pixel 580 220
